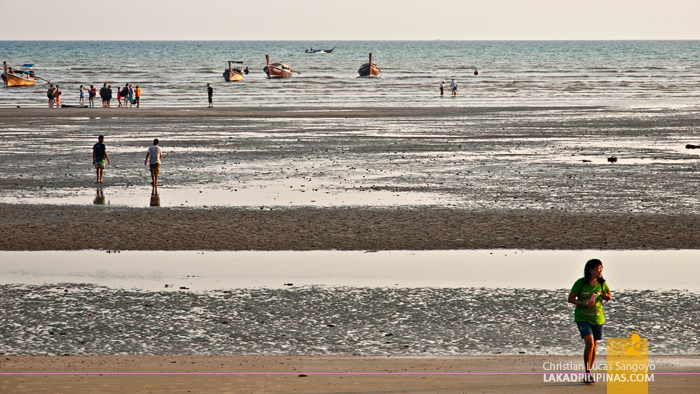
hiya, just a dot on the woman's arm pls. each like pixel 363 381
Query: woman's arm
pixel 573 300
pixel 607 296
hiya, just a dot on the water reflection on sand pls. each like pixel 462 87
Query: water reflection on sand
pixel 206 270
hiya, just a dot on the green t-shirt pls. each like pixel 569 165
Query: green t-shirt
pixel 592 314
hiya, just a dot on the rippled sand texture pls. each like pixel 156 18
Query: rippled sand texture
pixel 91 320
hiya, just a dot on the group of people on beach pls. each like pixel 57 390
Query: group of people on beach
pixel 453 86
pixel 128 95
pixel 153 159
pixel 54 96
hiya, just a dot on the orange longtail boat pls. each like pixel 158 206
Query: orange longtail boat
pixel 17 77
pixel 369 69
pixel 277 70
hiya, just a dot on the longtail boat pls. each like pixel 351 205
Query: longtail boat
pixel 277 70
pixel 319 50
pixel 17 77
pixel 233 74
pixel 369 69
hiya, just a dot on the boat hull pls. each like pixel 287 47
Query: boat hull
pixel 14 81
pixel 274 72
pixel 369 70
pixel 233 76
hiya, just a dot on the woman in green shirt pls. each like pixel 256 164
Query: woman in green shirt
pixel 588 294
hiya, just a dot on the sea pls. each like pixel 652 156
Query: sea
pixel 511 73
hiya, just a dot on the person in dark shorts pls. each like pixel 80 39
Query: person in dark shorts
pixel 588 294
pixel 99 155
pixel 103 95
pixel 210 93
pixel 109 95
pixel 154 154
pixel 51 94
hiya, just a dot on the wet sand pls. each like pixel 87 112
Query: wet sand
pixel 310 374
pixel 121 228
pixel 533 178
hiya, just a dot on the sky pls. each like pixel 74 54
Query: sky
pixel 329 20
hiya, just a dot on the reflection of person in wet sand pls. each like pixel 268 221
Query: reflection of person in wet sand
pixel 154 153
pixel 99 197
pixel 99 154
pixel 155 198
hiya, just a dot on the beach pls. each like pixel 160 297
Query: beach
pixel 363 179
pixel 387 179
pixel 312 374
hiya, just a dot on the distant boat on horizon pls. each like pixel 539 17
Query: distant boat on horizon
pixel 311 50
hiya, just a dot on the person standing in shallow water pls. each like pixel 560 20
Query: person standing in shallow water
pixel 82 95
pixel 442 88
pixel 103 95
pixel 154 153
pixel 50 95
pixel 453 85
pixel 210 93
pixel 588 294
pixel 99 155
pixel 91 96
pixel 57 94
pixel 137 92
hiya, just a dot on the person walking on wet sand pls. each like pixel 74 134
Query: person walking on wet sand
pixel 588 294
pixel 210 93
pixel 99 154
pixel 454 87
pixel 442 88
pixel 154 153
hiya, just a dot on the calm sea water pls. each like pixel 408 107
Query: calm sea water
pixel 625 73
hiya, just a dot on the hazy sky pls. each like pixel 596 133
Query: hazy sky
pixel 347 20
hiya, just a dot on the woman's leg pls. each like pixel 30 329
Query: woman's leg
pixel 589 355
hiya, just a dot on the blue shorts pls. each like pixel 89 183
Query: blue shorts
pixel 587 329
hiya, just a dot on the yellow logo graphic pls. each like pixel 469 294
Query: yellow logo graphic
pixel 628 365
